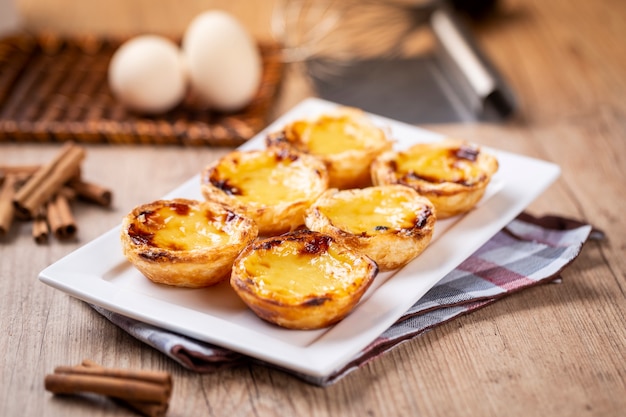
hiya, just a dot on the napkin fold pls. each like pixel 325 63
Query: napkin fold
pixel 527 252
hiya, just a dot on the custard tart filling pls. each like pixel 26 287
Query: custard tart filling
pixel 346 140
pixel 302 279
pixel 453 174
pixel 392 224
pixel 273 186
pixel 183 242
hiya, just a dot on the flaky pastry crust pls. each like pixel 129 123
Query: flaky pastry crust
pixel 302 279
pixel 185 243
pixel 452 174
pixel 274 186
pixel 346 140
pixel 392 224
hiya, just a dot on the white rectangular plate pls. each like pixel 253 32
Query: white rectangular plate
pixel 99 273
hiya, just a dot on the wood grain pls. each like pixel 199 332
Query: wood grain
pixel 558 349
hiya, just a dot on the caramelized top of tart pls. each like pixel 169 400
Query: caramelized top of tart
pixel 436 163
pixel 270 177
pixel 303 263
pixel 329 134
pixel 375 210
pixel 181 225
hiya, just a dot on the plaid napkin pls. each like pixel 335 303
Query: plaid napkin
pixel 527 252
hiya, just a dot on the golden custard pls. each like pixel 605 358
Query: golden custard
pixel 302 279
pixel 286 272
pixel 182 227
pixel 436 165
pixel 263 178
pixel 371 212
pixel 274 187
pixel 453 174
pixel 185 242
pixel 392 224
pixel 346 140
pixel 330 135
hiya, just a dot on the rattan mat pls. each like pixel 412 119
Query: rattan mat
pixel 54 89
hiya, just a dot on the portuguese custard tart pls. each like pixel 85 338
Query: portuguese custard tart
pixel 185 243
pixel 302 279
pixel 453 174
pixel 346 140
pixel 274 187
pixel 392 224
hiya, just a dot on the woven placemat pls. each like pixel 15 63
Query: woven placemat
pixel 55 89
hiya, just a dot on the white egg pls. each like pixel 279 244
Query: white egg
pixel 147 74
pixel 223 60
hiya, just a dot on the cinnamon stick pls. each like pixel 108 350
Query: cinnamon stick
pixel 18 169
pixel 68 193
pixel 92 192
pixel 7 192
pixel 139 375
pixel 40 227
pixel 132 389
pixel 147 409
pixel 147 392
pixel 48 179
pixel 60 217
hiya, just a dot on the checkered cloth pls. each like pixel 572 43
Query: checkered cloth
pixel 527 252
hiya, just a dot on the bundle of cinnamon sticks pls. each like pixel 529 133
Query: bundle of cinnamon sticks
pixel 146 392
pixel 44 194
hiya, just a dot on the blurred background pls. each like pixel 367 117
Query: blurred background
pixel 136 16
pixel 411 60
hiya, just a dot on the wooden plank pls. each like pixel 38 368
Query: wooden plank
pixel 559 349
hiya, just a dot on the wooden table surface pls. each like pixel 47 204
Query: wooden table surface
pixel 555 350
